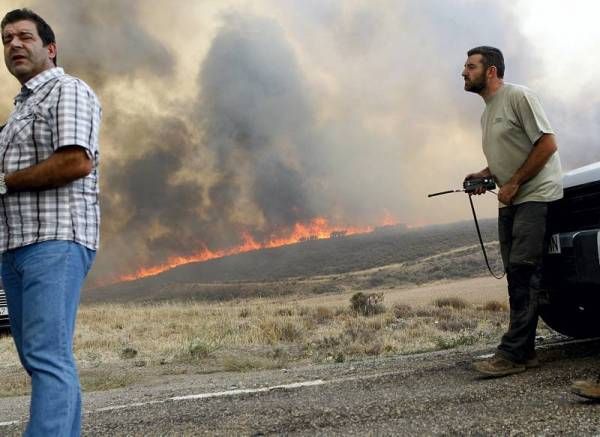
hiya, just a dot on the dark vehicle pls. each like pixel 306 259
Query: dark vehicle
pixel 571 305
pixel 4 322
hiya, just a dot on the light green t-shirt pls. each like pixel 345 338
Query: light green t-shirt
pixel 513 120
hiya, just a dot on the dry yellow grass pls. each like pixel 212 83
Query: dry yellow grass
pixel 191 332
pixel 260 333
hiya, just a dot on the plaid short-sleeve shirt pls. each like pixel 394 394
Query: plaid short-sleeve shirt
pixel 53 110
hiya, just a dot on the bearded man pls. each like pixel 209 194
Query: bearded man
pixel 521 152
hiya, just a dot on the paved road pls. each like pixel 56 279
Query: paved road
pixel 427 394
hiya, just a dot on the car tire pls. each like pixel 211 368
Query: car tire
pixel 574 314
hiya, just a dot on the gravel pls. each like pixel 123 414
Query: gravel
pixel 426 394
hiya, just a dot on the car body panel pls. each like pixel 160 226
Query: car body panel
pixel 571 301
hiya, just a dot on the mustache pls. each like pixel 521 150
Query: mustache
pixel 17 52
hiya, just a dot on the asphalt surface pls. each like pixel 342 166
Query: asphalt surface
pixel 427 394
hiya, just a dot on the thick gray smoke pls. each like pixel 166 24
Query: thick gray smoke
pixel 220 122
pixel 258 118
pixel 254 119
pixel 253 115
pixel 104 40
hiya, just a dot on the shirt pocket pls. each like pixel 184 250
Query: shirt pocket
pixel 19 128
pixel 25 146
pixel 28 125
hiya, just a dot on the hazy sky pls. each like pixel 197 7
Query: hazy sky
pixel 229 117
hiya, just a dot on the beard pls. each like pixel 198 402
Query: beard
pixel 477 85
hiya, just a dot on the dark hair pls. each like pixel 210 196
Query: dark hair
pixel 44 30
pixel 491 56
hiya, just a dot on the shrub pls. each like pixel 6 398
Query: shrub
pixel 374 349
pixel 426 312
pixel 452 342
pixel 304 311
pixel 402 311
pixel 290 332
pixel 454 302
pixel 284 312
pixel 244 363
pixel 328 342
pixel 440 313
pixel 198 348
pixel 494 306
pixel 275 330
pixel 128 353
pixel 457 325
pixel 367 304
pixel 322 314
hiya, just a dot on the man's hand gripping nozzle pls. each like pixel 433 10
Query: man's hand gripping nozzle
pixel 476 186
pixel 470 186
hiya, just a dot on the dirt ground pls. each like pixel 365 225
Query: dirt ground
pixel 475 291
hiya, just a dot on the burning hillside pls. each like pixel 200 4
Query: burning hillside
pixel 316 229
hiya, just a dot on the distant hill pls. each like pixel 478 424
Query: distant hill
pixel 333 256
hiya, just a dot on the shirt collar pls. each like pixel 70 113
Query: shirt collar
pixel 36 82
pixel 499 91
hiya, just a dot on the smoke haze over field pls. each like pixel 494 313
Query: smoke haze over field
pixel 223 119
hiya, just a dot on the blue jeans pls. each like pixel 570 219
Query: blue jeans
pixel 42 283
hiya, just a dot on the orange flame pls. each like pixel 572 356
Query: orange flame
pixel 317 229
pixel 388 219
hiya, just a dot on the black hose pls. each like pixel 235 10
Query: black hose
pixel 481 240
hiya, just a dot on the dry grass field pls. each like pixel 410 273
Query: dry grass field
pixel 323 301
pixel 117 345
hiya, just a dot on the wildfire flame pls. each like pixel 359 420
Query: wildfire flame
pixel 317 229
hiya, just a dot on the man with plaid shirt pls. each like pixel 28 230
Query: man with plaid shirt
pixel 49 216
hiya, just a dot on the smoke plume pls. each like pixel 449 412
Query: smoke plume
pixel 223 122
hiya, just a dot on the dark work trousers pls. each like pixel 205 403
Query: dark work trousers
pixel 522 234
